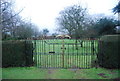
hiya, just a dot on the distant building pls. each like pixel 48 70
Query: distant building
pixel 63 36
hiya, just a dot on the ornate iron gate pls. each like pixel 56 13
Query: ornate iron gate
pixel 65 53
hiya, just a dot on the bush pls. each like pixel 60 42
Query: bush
pixel 17 53
pixel 108 51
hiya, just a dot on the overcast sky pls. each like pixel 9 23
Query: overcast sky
pixel 44 12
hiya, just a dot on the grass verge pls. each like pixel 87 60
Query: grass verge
pixel 37 73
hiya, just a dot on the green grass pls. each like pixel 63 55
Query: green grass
pixel 37 73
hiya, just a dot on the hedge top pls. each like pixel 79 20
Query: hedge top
pixel 110 38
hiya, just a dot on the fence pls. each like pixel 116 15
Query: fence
pixel 65 53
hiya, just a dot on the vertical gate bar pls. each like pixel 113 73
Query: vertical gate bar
pixel 56 46
pixel 86 53
pixel 56 54
pixel 83 52
pixel 71 46
pixel 45 52
pixel 46 49
pixel 76 55
pixel 60 57
pixel 79 55
pixel 35 53
pixel 43 61
pixel 73 55
pixel 90 53
pixel 68 55
pixel 51 58
pixel 40 52
pixel 83 55
pixel 92 44
pixel 49 54
pixel 63 53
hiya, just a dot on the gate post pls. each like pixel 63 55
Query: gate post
pixel 35 53
pixel 92 53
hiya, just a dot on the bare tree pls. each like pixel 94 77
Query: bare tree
pixel 9 19
pixel 72 19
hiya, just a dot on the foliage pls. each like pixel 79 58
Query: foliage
pixel 105 26
pixel 24 31
pixel 116 9
pixel 17 53
pixel 108 53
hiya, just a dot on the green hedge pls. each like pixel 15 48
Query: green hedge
pixel 17 53
pixel 108 53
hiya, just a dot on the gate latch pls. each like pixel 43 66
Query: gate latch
pixel 63 48
pixel 52 52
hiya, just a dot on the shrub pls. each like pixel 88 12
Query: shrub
pixel 16 53
pixel 108 52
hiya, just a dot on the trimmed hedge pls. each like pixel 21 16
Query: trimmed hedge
pixel 108 52
pixel 17 53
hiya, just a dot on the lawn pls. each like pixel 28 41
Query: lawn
pixel 37 73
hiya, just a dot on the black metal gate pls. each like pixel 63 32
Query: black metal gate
pixel 65 53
